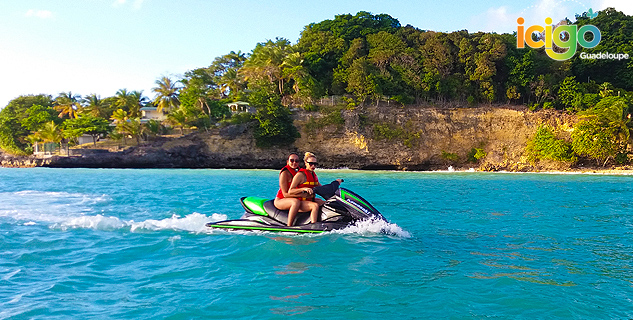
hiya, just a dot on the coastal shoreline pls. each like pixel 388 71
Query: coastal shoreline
pixel 436 139
pixel 9 161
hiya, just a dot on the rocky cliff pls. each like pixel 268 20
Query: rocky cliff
pixel 376 137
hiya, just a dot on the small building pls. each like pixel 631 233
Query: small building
pixel 84 139
pixel 152 113
pixel 240 106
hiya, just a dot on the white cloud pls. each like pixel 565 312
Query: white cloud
pixel 42 14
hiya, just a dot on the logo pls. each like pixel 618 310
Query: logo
pixel 565 37
pixel 591 14
pixel 359 206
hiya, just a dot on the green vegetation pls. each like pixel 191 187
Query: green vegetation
pixel 93 126
pixel 601 135
pixel 604 131
pixel 362 59
pixel 407 134
pixel 545 145
pixel 451 157
pixel 475 154
pixel 275 124
pixel 332 116
pixel 239 118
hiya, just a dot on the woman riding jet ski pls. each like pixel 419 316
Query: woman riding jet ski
pixel 341 209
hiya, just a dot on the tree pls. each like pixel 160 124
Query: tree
pixel 154 127
pixel 12 135
pixel 132 127
pixel 67 103
pixel 362 81
pixel 119 118
pixel 177 118
pixel 275 124
pixel 87 124
pixel 50 132
pixel 322 51
pixel 124 100
pixel 521 72
pixel 569 94
pixel 17 119
pixel 616 30
pixel 138 101
pixel 225 74
pixel 265 63
pixel 348 27
pixel 166 94
pixel 38 115
pixel 541 89
pixel 603 133
pixel 94 106
pixel 545 145
pixel 20 104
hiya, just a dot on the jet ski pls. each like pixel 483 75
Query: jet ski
pixel 341 209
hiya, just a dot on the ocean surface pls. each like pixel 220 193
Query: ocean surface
pixel 131 244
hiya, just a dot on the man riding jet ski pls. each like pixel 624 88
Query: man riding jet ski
pixel 341 209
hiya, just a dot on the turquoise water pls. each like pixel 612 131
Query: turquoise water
pixel 131 244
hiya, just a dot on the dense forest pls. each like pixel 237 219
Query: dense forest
pixel 363 58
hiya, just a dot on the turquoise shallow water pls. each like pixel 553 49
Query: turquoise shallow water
pixel 131 244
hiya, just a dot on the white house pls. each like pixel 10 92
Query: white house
pixel 152 113
pixel 84 139
pixel 240 106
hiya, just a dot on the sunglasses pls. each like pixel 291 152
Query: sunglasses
pixel 294 160
pixel 313 163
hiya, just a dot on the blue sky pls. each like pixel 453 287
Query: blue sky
pixel 101 46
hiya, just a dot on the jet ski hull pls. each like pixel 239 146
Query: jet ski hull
pixel 245 224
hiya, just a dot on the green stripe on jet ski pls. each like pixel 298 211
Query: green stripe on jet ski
pixel 266 229
pixel 344 194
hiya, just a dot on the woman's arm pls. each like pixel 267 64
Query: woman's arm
pixel 284 177
pixel 296 181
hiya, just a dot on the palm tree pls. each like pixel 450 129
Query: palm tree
pixel 138 102
pixel 154 127
pixel 34 139
pixel 231 82
pixel 606 90
pixel 119 115
pixel 177 118
pixel 236 58
pixel 94 106
pixel 133 127
pixel 166 94
pixel 266 62
pixel 50 132
pixel 292 69
pixel 123 99
pixel 67 104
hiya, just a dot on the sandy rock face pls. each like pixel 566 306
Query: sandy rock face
pixel 376 137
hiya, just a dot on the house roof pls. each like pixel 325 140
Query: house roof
pixel 241 103
pixel 149 109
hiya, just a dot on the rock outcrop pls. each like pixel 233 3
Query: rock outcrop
pixel 415 139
